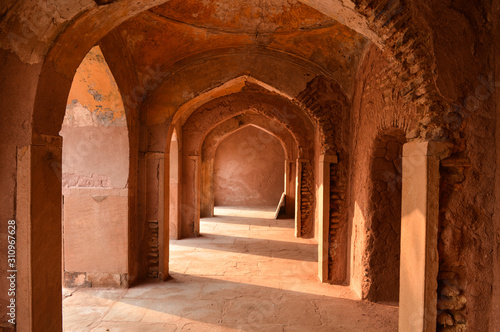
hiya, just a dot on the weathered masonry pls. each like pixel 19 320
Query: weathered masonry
pixel 376 121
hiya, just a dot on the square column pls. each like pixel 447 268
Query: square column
pixel 289 189
pixel 298 196
pixel 207 185
pixel 39 235
pixel 419 235
pixel 190 196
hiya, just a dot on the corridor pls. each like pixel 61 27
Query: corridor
pixel 246 272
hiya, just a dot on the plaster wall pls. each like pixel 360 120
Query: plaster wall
pixel 95 174
pixel 249 169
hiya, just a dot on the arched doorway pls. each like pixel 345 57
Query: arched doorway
pixel 249 169
pixel 95 172
pixel 44 108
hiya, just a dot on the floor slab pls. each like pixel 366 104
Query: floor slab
pixel 247 272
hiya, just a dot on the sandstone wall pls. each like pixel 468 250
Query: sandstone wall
pixel 95 174
pixel 249 169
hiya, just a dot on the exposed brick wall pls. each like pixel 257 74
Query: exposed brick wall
pixel 463 289
pixel 409 45
pixel 154 252
pixel 327 105
pixel 307 199
pixel 375 112
pixel 337 239
pixel 431 45
pixel 384 218
pixel 466 233
pixel 466 239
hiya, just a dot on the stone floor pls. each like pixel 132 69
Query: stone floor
pixel 246 272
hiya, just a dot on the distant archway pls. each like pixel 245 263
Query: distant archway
pixel 249 169
pixel 266 104
pixel 52 90
pixel 226 128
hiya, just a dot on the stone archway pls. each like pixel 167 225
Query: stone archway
pixel 213 139
pixel 44 145
pixel 248 169
pixel 263 104
pixel 95 175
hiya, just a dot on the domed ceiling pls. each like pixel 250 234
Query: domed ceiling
pixel 180 31
pixel 254 16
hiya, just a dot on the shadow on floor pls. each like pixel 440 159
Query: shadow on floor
pixel 209 304
pixel 236 277
pixel 251 221
pixel 252 246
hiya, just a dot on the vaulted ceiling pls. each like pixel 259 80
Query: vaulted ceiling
pixel 182 31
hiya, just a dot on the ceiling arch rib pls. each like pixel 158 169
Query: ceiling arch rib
pixel 207 117
pixel 50 44
pixel 197 81
pixel 158 111
pixel 213 138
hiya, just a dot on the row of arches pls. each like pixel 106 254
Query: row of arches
pixel 195 138
pixel 148 146
pixel 188 193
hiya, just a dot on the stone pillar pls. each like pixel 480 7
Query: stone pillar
pixel 207 185
pixel 173 198
pixel 419 231
pixel 304 199
pixel 298 198
pixel 163 221
pixel 39 235
pixel 286 185
pixel 324 214
pixel 289 188
pixel 197 193
pixel 191 196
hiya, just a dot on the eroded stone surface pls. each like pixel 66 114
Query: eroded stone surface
pixel 433 80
